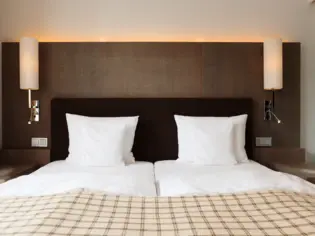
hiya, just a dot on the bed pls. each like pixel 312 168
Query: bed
pixel 182 210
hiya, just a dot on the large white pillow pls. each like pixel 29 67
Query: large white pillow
pixel 201 141
pixel 95 143
pixel 130 124
pixel 239 130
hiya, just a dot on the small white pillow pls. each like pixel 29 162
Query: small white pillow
pixel 130 124
pixel 94 142
pixel 203 142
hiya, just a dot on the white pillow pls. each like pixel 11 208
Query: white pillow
pixel 130 124
pixel 94 142
pixel 201 141
pixel 239 130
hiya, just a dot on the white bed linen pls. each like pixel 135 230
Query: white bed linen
pixel 178 179
pixel 136 179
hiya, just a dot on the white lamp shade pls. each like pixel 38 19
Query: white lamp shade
pixel 273 64
pixel 29 64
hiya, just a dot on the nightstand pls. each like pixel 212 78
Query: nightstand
pixel 8 172
pixel 305 171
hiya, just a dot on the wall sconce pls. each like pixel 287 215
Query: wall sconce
pixel 273 74
pixel 29 70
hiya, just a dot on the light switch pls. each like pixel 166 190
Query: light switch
pixel 39 142
pixel 263 141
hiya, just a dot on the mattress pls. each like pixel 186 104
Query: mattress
pixel 60 176
pixel 178 179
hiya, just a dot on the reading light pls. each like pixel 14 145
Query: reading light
pixel 29 73
pixel 273 74
pixel 270 113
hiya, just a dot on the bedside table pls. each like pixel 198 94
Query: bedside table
pixel 305 171
pixel 8 172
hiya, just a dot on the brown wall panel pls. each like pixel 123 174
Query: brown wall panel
pixel 236 70
pixel 150 70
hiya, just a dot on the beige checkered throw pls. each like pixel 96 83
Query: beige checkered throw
pixel 93 213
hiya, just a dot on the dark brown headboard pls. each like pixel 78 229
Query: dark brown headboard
pixel 156 134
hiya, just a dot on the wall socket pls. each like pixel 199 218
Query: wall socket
pixel 263 141
pixel 39 142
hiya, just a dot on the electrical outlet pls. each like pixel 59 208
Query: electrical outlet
pixel 263 141
pixel 39 142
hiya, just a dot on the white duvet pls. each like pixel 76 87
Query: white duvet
pixel 178 179
pixel 57 177
pixel 171 178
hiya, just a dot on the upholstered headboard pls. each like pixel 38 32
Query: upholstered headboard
pixel 156 133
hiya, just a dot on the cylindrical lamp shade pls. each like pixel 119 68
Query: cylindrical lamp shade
pixel 273 64
pixel 29 64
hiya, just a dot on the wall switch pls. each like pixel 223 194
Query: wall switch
pixel 263 141
pixel 39 142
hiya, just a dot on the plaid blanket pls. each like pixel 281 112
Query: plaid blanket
pixel 93 213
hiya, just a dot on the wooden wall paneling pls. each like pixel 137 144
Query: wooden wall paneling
pixel 125 69
pixel 231 69
pixel 150 70
pixel 287 103
pixel 235 70
pixel 15 107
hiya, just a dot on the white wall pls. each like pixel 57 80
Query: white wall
pixel 175 20
pixel 150 19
